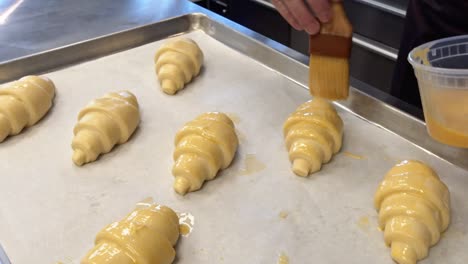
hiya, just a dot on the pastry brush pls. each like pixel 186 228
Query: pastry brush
pixel 329 56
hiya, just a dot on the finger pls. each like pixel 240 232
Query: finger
pixel 321 8
pixel 303 15
pixel 284 11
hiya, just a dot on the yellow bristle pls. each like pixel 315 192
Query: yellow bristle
pixel 329 77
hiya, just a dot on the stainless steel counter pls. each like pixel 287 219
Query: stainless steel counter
pixel 31 26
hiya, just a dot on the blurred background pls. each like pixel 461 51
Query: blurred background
pixel 378 26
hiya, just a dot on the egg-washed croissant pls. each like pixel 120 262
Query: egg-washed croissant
pixel 23 103
pixel 414 208
pixel 102 124
pixel 203 147
pixel 177 62
pixel 313 133
pixel 146 235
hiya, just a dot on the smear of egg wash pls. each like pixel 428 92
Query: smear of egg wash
pixel 363 223
pixel 234 117
pixel 251 165
pixel 353 155
pixel 186 223
pixel 283 259
pixel 68 260
pixel 283 215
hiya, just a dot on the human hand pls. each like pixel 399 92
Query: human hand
pixel 304 14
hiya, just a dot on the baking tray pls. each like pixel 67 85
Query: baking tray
pixel 51 210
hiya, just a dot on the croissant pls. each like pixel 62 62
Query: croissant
pixel 103 123
pixel 313 133
pixel 147 235
pixel 414 208
pixel 177 62
pixel 203 147
pixel 23 103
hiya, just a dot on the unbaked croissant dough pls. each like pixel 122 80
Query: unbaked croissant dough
pixel 23 103
pixel 147 235
pixel 103 123
pixel 203 147
pixel 177 62
pixel 414 208
pixel 313 133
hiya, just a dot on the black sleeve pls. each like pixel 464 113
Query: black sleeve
pixel 426 20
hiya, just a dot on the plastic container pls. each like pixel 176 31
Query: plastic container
pixel 441 68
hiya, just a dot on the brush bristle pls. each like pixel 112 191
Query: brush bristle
pixel 329 77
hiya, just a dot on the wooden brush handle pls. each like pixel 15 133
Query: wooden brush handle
pixel 335 36
pixel 339 25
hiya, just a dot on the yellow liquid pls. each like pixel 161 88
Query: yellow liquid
pixel 186 223
pixel 447 116
pixel 251 165
pixel 184 229
pixel 234 117
pixel 446 135
pixel 354 156
pixel 363 223
pixel 283 214
pixel 283 259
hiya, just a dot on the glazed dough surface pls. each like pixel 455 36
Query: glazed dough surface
pixel 147 235
pixel 313 133
pixel 414 208
pixel 23 103
pixel 177 62
pixel 203 147
pixel 102 124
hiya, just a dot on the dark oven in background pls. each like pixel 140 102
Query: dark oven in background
pixel 378 26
